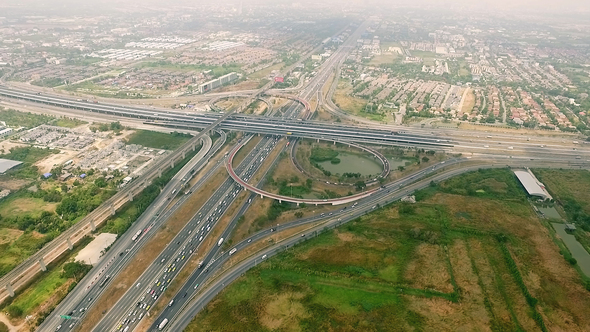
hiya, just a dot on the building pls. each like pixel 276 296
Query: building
pixel 6 164
pixel 213 84
pixel 533 186
pixel 5 131
pixel 65 176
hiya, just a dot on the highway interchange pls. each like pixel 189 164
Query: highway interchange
pixel 479 150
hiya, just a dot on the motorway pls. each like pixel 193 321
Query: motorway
pixel 122 251
pixel 446 140
pixel 406 186
pixel 127 313
pixel 137 301
pixel 20 275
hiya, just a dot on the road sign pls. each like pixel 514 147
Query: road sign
pixel 65 317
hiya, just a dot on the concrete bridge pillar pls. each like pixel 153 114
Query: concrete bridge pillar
pixel 297 204
pixel 10 290
pixel 318 140
pixel 334 142
pixel 261 196
pixel 194 147
pixel 70 244
pixel 43 266
pixel 92 225
pixel 113 211
pixel 130 197
pixel 172 164
pixel 159 173
pixel 280 202
pixel 184 154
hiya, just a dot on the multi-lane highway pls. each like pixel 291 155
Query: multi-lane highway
pixel 125 247
pixel 182 311
pixel 128 312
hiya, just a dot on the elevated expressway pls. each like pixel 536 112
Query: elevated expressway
pixel 36 263
pixel 280 198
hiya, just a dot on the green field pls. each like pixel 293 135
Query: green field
pixel 15 118
pixel 157 140
pixel 450 262
pixel 69 123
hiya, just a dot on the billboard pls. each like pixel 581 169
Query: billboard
pixel 279 79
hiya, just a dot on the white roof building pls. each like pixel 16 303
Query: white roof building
pixel 532 185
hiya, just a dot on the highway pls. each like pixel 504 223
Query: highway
pixel 122 251
pixel 183 311
pixel 156 278
pixel 20 275
pixel 127 313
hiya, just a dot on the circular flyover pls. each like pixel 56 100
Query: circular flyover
pixel 375 153
pixel 280 198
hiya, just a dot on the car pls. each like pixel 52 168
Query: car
pixel 249 240
pixel 58 327
pixel 148 307
pixel 302 235
pixel 197 285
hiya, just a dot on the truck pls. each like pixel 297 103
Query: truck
pixel 163 324
pixel 104 281
pixel 200 265
pixel 233 251
pixel 136 235
pixel 220 242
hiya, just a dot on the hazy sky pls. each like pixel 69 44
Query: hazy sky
pixel 511 6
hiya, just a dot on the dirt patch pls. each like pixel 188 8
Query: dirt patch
pixel 283 311
pixel 7 145
pixel 428 269
pixel 443 315
pixel 468 102
pixel 11 328
pixel 14 184
pixel 53 160
pixel 8 235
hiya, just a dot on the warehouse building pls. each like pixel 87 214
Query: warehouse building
pixel 6 164
pixel 533 186
pixel 213 84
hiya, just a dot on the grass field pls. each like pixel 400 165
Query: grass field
pixel 15 118
pixel 157 140
pixel 25 206
pixel 69 123
pixel 262 74
pixel 382 59
pixel 450 262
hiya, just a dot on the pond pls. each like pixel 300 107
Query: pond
pixel 577 250
pixel 352 163
pixel 549 212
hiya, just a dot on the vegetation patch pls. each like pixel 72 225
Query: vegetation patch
pixel 157 140
pixel 452 261
pixel 14 118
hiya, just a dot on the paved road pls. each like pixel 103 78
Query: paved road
pixel 182 313
pixel 122 251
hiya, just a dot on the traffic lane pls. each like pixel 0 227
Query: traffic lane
pixel 219 196
pixel 93 294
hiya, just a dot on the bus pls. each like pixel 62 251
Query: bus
pixel 233 251
pixel 136 235
pixel 163 324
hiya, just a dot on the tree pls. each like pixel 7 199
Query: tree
pixel 425 159
pixel 360 185
pixel 299 214
pixel 14 311
pixel 308 183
